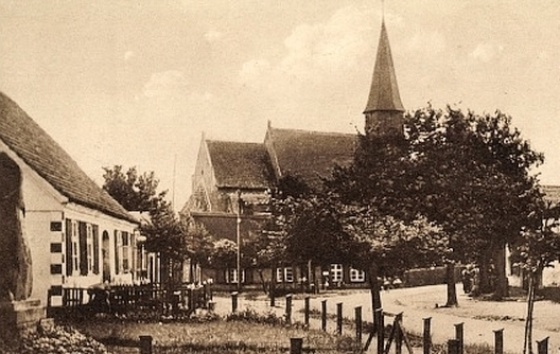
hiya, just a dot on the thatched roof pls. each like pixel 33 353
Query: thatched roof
pixel 34 146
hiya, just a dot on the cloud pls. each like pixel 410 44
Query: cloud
pixel 252 71
pixel 128 55
pixel 485 52
pixel 166 84
pixel 315 52
pixel 335 44
pixel 213 36
pixel 426 43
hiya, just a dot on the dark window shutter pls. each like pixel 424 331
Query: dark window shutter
pixel 95 232
pixel 134 253
pixel 82 232
pixel 68 247
pixel 116 253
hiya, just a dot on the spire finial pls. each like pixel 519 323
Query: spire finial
pixel 382 10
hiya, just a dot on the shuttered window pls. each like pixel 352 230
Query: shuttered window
pixel 95 234
pixel 117 251
pixel 82 231
pixel 68 248
pixel 75 248
pixel 125 252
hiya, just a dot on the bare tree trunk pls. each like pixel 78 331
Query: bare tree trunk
pixel 374 289
pixel 263 283
pixel 451 285
pixel 484 280
pixel 528 343
pixel 501 288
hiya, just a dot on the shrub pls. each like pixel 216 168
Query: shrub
pixel 249 315
pixel 59 340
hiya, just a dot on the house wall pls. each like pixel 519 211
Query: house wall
pixel 114 227
pixel 46 211
pixel 42 205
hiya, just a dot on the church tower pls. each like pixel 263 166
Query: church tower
pixel 384 109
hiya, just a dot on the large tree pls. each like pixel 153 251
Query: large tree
pixel 325 228
pixel 134 191
pixel 473 179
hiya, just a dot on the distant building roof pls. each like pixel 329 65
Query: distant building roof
pixel 240 165
pixel 34 146
pixel 310 154
pixel 551 194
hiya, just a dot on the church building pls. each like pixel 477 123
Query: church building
pixel 232 180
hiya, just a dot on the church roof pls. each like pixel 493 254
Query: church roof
pixel 240 165
pixel 384 92
pixel 311 154
pixel 34 146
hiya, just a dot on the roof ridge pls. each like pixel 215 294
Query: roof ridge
pixel 317 132
pixel 44 155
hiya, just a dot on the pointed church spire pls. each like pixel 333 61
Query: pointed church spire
pixel 384 109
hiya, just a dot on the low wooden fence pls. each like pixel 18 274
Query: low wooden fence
pixel 396 331
pixel 124 298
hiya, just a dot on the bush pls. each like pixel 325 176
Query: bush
pixel 57 340
pixel 249 315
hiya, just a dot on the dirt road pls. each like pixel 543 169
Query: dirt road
pixel 480 318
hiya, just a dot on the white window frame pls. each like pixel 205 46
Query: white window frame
pixel 284 275
pixel 119 252
pixel 231 275
pixel 357 275
pixel 337 273
pixel 75 248
pixel 89 238
pixel 125 251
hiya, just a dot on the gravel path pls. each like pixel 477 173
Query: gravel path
pixel 480 318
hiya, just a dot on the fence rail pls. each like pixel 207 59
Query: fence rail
pixel 124 298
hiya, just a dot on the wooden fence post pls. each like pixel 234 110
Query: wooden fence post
pixel 380 330
pixel 398 333
pixel 145 344
pixel 234 301
pixel 296 345
pixel 289 308
pixel 306 311
pixel 273 297
pixel 427 335
pixel 542 346
pixel 453 346
pixel 324 315
pixel 339 318
pixel 459 335
pixel 499 341
pixel 358 320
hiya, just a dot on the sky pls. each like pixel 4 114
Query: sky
pixel 136 83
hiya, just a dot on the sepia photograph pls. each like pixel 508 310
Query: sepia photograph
pixel 260 176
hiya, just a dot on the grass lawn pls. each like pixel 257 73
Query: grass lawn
pixel 212 337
